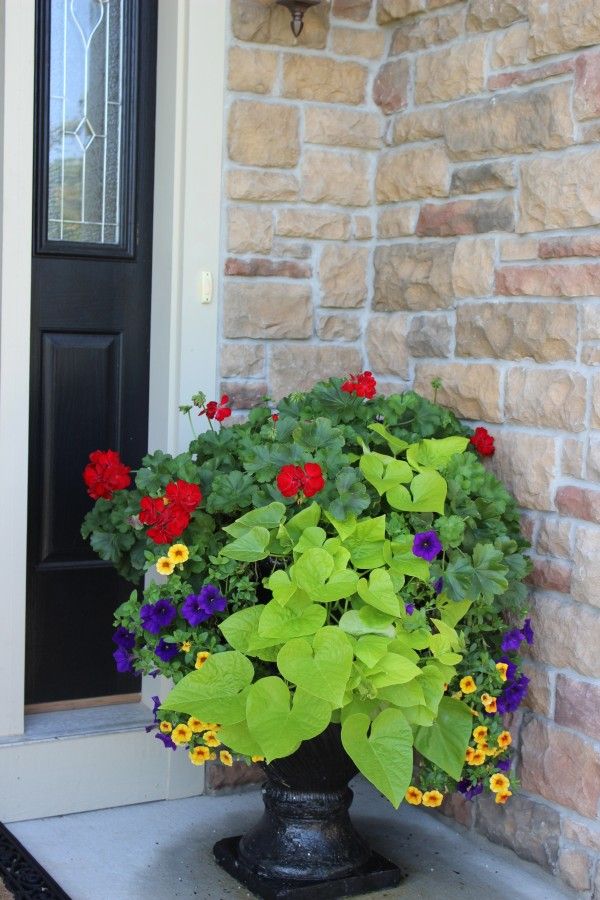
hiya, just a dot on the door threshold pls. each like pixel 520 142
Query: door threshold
pixel 69 723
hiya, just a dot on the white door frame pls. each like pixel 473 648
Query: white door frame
pixel 183 356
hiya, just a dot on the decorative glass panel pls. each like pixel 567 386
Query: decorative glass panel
pixel 86 113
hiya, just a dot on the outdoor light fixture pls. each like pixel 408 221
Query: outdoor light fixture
pixel 297 9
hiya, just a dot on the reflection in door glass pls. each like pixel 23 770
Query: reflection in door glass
pixel 86 101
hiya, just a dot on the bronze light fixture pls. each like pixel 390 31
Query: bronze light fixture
pixel 297 9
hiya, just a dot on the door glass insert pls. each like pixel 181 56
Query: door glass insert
pixel 86 106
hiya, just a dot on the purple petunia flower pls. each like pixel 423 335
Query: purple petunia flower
pixel 512 640
pixel 438 585
pixel 513 695
pixel 155 616
pixel 409 608
pixel 123 659
pixel 211 599
pixel 427 545
pixel 166 650
pixel 124 638
pixel 193 611
pixel 504 764
pixel 468 790
pixel 527 631
pixel 166 740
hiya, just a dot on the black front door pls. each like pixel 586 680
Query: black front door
pixel 91 285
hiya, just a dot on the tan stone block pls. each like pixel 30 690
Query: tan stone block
pixel 543 332
pixel 586 98
pixel 581 503
pixel 414 276
pixel 590 356
pixel 241 360
pixel 504 80
pixel 531 829
pixel 572 458
pixel 356 10
pixel 390 89
pixel 418 126
pixel 566 247
pixel 455 71
pixel 550 398
pixel 251 70
pixel 557 26
pixel 586 571
pixel 466 217
pixel 588 835
pixel 550 575
pixel 366 43
pixel 362 228
pixel 386 344
pixel 548 280
pixel 259 267
pixel 575 868
pixel 339 178
pixel 317 224
pixel 407 174
pixel 560 767
pixel 342 127
pixel 595 414
pixel 319 78
pixel 487 15
pixel 258 185
pixel 510 47
pixel 397 221
pixel 590 321
pixel 420 34
pixel 295 249
pixel 252 125
pixel 526 464
pixel 249 230
pixel 472 391
pixel 560 192
pixel 244 393
pixel 593 461
pixel 267 310
pixel 336 327
pixel 518 248
pixel 557 642
pixel 538 119
pixel 473 267
pixel 343 276
pixel 390 10
pixel 298 367
pixel 554 538
pixel 430 335
pixel 266 23
pixel 538 690
pixel 490 176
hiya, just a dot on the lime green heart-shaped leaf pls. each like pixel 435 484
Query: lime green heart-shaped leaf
pixel 268 517
pixel 282 587
pixel 367 621
pixel 311 537
pixel 240 627
pixel 395 444
pixel 444 743
pixel 238 738
pixel 403 695
pixel 402 561
pixel 435 453
pixel 281 623
pixel 321 668
pixel 370 648
pixel 393 668
pixel 250 546
pixel 216 692
pixel 379 592
pixel 279 723
pixel 366 543
pixel 311 571
pixel 306 518
pixel 383 755
pixel 428 490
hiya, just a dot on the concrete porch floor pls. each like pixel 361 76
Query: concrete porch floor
pixel 155 851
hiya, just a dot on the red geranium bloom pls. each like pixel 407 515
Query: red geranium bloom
pixel 105 474
pixel 217 411
pixel 363 385
pixel 483 442
pixel 313 479
pixel 184 495
pixel 151 509
pixel 275 417
pixel 170 524
pixel 290 480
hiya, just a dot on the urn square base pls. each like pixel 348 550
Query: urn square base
pixel 376 874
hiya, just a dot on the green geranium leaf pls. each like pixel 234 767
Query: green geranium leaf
pixel 216 692
pixel 250 546
pixel 428 490
pixel 489 571
pixel 458 579
pixel 321 668
pixel 444 743
pixel 281 623
pixel 384 753
pixel 280 724
pixel 379 592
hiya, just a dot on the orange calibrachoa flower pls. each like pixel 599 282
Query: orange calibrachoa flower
pixel 480 733
pixel 199 755
pixel 164 566
pixel 166 727
pixel 413 796
pixel 178 554
pixel 467 684
pixel 226 758
pixel 499 783
pixel 469 754
pixel 502 670
pixel 432 799
pixel 197 725
pixel 478 757
pixel 211 739
pixel 181 734
pixel 201 658
pixel 504 739
pixel 502 796
pixel 489 703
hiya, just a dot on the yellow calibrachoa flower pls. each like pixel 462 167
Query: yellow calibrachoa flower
pixel 502 670
pixel 201 658
pixel 489 703
pixel 432 798
pixel 504 739
pixel 211 739
pixel 178 553
pixel 226 757
pixel 499 783
pixel 186 647
pixel 480 733
pixel 478 757
pixel 199 755
pixel 413 796
pixel 166 727
pixel 503 796
pixel 197 725
pixel 257 759
pixel 467 684
pixel 181 734
pixel 164 566
pixel 469 753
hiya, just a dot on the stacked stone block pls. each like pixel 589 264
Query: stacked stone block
pixel 413 187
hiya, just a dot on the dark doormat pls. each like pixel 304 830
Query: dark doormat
pixel 22 874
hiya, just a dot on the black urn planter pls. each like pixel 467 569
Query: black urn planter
pixel 305 844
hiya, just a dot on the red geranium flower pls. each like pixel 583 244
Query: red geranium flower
pixel 105 474
pixel 483 442
pixel 151 509
pixel 169 516
pixel 170 524
pixel 308 479
pixel 363 385
pixel 184 494
pixel 313 479
pixel 217 411
pixel 275 417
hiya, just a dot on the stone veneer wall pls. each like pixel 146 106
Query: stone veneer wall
pixel 413 187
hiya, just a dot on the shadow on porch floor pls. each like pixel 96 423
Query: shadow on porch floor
pixel 158 850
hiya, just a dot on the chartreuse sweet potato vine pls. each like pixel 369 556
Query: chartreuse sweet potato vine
pixel 348 560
